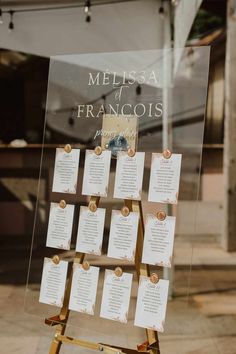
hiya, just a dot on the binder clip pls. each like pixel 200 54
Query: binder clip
pixel 62 204
pixel 68 148
pixel 86 265
pixel 125 211
pixel 131 152
pixel 98 150
pixel 154 278
pixel 92 207
pixel 161 215
pixel 167 154
pixel 118 272
pixel 56 259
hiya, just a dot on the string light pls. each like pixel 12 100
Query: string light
pixel 87 10
pixel 103 97
pixel 1 19
pixel 71 120
pixel 161 10
pixel 1 13
pixel 11 24
pixel 175 2
pixel 138 90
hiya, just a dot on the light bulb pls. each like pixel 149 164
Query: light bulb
pixel 88 18
pixel 87 10
pixel 87 6
pixel 175 2
pixel 161 12
pixel 1 19
pixel 138 90
pixel 10 26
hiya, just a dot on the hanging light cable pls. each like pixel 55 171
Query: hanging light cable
pixel 87 10
pixel 11 24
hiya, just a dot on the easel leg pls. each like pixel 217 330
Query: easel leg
pixel 64 313
pixel 56 344
pixel 143 269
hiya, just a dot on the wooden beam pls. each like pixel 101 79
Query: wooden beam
pixel 229 227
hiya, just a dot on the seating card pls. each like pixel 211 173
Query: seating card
pixel 116 296
pixel 53 282
pixel 164 178
pixel 151 304
pixel 60 226
pixel 129 176
pixel 123 235
pixel 96 173
pixel 84 289
pixel 90 230
pixel 158 241
pixel 66 171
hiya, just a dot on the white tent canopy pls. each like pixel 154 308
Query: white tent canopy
pixel 131 25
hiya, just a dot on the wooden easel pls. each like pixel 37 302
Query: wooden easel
pixel 151 346
pixel 60 321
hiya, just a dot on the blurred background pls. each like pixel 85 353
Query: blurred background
pixel 203 318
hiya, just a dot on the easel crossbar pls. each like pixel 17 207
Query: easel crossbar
pixel 96 346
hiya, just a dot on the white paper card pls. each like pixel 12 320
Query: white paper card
pixel 116 296
pixel 129 176
pixel 164 178
pixel 90 231
pixel 84 289
pixel 158 241
pixel 151 304
pixel 53 282
pixel 123 235
pixel 96 173
pixel 66 171
pixel 60 226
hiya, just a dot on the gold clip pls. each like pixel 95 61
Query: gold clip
pixel 118 272
pixel 161 215
pixel 86 265
pixel 62 204
pixel 131 152
pixel 56 259
pixel 143 347
pixel 146 347
pixel 98 150
pixel 154 278
pixel 167 154
pixel 125 211
pixel 92 207
pixel 68 148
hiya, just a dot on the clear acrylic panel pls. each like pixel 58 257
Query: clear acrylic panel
pixel 170 106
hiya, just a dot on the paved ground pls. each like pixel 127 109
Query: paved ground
pixel 189 330
pixel 200 320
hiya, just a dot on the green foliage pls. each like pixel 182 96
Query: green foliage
pixel 205 22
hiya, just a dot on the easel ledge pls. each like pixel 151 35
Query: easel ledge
pixel 105 348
